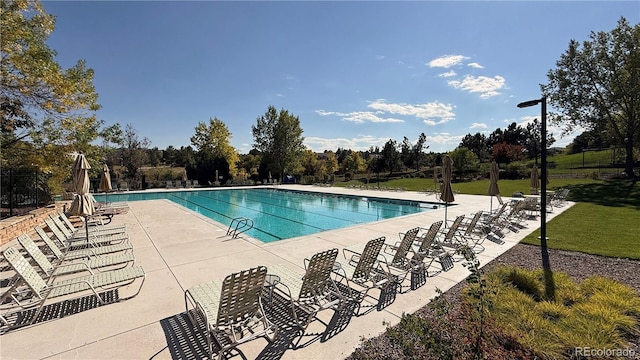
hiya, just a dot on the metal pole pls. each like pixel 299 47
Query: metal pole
pixel 543 187
pixel 549 287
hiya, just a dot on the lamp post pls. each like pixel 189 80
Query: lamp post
pixel 546 265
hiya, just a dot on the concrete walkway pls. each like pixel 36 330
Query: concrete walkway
pixel 179 249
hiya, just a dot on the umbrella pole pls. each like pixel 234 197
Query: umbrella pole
pixel 86 226
pixel 446 207
pixel 491 206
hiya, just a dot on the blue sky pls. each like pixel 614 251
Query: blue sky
pixel 356 73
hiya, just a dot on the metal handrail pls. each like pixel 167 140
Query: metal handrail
pixel 242 224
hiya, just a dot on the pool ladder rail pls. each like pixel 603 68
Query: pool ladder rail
pixel 242 224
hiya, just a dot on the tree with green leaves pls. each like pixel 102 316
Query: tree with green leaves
pixel 354 163
pixel 278 136
pixel 533 139
pixel 418 150
pixel 478 144
pixel 214 139
pixel 465 162
pixel 134 154
pixel 44 109
pixel 391 156
pixel 598 83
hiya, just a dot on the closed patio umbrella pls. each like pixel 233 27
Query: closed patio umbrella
pixel 494 174
pixel 447 193
pixel 82 204
pixel 535 180
pixel 105 182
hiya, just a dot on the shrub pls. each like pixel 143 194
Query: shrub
pixel 598 313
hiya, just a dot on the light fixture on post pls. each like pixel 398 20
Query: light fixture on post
pixel 543 189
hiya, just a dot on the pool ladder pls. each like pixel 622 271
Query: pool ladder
pixel 242 224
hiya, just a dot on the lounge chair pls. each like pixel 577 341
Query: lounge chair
pixel 89 254
pixel 123 186
pixel 402 262
pixel 451 239
pixel 32 291
pixel 474 233
pixel 230 310
pixel 67 239
pixel 312 291
pixel 429 250
pixel 62 220
pixel 51 270
pixel 364 269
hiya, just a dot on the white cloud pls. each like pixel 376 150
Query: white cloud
pixel 380 57
pixel 360 117
pixel 447 61
pixel 478 126
pixel 486 86
pixel 432 113
pixel 359 143
pixel 475 65
pixel 448 74
pixel 279 95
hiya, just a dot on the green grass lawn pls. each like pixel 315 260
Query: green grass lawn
pixel 605 221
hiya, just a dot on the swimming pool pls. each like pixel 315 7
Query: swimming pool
pixel 282 214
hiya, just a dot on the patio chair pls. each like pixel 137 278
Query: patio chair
pixel 491 224
pixel 94 240
pixel 474 233
pixel 50 270
pixel 94 228
pixel 451 239
pixel 32 291
pixel 123 186
pixel 90 254
pixel 312 291
pixel 429 250
pixel 402 262
pixel 230 310
pixel 364 270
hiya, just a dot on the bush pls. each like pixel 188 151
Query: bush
pixel 598 313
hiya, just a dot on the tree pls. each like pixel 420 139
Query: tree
pixel 250 163
pixel 505 153
pixel 46 112
pixel 213 139
pixel 478 144
pixel 310 162
pixel 279 137
pixel 590 139
pixel 354 163
pixel 134 154
pixel 598 83
pixel 330 162
pixel 464 161
pixel 390 156
pixel 406 156
pixel 533 139
pixel 417 150
pixel 32 84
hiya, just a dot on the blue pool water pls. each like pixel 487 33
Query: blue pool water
pixel 281 214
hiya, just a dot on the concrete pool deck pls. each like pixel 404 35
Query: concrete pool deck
pixel 179 249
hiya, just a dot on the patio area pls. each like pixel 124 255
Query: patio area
pixel 179 249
